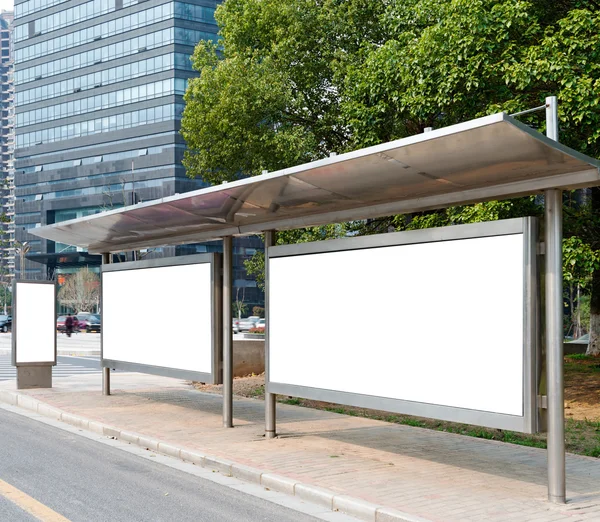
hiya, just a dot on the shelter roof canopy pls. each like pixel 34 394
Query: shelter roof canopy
pixel 494 157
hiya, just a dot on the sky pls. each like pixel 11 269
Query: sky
pixel 6 5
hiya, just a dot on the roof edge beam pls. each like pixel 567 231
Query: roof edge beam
pixel 583 179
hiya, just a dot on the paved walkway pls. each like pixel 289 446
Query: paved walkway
pixel 434 475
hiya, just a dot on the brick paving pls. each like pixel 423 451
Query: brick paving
pixel 435 475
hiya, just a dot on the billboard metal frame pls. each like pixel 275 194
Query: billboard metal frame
pixel 528 422
pixel 15 322
pixel 216 374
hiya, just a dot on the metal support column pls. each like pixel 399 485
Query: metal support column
pixel 106 260
pixel 554 327
pixel 227 333
pixel 270 403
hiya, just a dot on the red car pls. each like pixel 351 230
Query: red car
pixel 81 323
pixel 60 323
pixel 88 322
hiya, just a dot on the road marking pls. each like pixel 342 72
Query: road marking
pixel 29 504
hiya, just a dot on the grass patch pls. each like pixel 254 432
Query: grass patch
pixel 342 411
pixel 579 357
pixel 293 401
pixel 408 421
pixel 258 392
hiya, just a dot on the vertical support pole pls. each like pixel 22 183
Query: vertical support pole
pixel 106 260
pixel 554 327
pixel 227 333
pixel 270 398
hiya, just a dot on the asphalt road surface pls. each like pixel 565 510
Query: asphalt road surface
pixel 66 367
pixel 59 476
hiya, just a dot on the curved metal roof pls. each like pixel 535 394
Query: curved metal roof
pixel 492 157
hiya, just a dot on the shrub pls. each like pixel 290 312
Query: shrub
pixel 258 310
pixel 257 331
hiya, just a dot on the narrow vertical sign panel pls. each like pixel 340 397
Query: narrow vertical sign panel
pixel 35 323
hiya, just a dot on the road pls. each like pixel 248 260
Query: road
pixel 61 476
pixel 79 344
pixel 66 367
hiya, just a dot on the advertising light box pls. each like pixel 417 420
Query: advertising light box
pixel 437 323
pixel 163 317
pixel 34 323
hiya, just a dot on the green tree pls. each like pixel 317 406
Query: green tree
pixel 268 95
pixel 293 80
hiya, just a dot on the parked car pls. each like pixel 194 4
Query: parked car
pixel 584 339
pixel 5 323
pixel 236 326
pixel 260 323
pixel 89 322
pixel 60 323
pixel 246 324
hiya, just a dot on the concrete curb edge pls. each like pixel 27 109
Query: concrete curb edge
pixel 314 494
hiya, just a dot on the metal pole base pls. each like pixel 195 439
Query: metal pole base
pixel 105 381
pixel 270 413
pixel 557 500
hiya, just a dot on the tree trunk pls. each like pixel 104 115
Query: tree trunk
pixel 594 345
pixel 572 320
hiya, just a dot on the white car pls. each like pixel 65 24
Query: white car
pixel 584 339
pixel 248 323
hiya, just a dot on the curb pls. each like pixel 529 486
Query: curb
pixel 316 495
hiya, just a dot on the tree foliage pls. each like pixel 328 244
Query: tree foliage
pixel 293 80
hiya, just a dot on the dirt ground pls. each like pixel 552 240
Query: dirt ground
pixel 582 409
pixel 582 388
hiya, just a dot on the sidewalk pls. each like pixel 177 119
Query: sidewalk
pixel 434 475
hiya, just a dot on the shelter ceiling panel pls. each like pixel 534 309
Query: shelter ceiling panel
pixel 491 157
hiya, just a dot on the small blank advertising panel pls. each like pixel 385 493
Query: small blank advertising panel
pixel 34 325
pixel 434 328
pixel 160 318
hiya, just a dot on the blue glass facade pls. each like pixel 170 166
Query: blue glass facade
pixel 99 95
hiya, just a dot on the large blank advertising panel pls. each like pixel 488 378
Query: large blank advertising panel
pixel 162 316
pixel 34 323
pixel 437 325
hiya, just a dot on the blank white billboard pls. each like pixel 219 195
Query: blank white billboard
pixel 35 323
pixel 159 316
pixel 439 323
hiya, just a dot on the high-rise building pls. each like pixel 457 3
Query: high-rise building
pixel 7 148
pixel 99 87
pixel 99 90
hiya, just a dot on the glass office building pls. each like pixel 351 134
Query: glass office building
pixel 99 97
pixel 7 146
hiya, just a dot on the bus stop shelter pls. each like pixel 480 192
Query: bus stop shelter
pixel 490 158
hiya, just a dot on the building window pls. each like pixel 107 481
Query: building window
pixel 100 125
